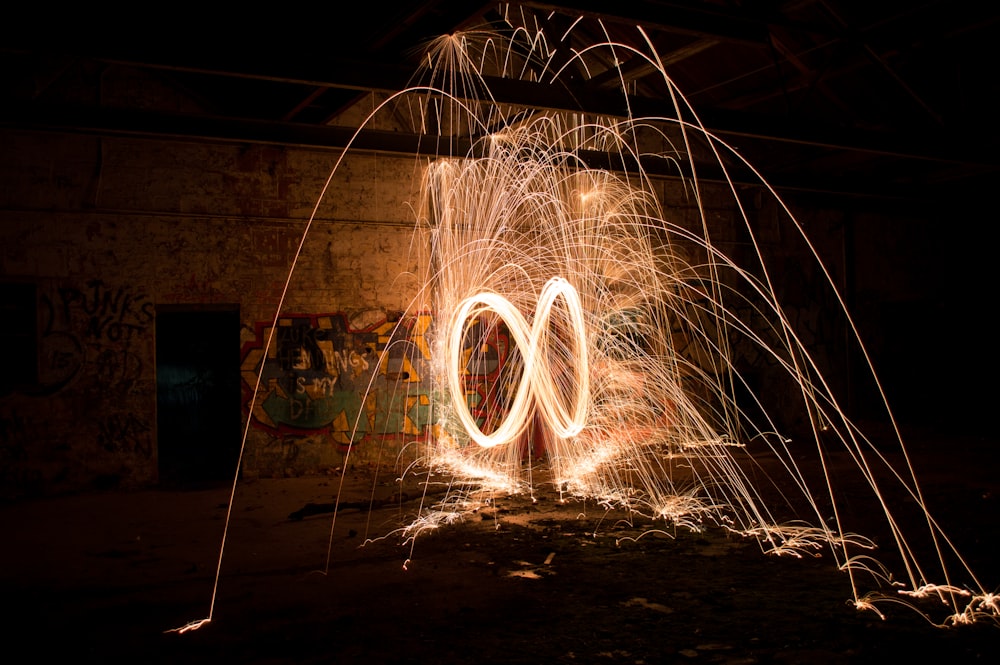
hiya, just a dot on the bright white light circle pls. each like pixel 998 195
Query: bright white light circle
pixel 537 380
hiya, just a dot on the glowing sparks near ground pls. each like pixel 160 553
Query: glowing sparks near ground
pixel 622 318
pixel 629 419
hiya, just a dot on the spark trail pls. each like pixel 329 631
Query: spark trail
pixel 623 314
pixel 522 223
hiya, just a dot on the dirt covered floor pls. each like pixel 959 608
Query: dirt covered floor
pixel 100 578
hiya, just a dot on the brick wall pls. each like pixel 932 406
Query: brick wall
pixel 108 230
pixel 111 229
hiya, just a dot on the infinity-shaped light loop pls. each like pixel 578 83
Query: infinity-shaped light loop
pixel 537 379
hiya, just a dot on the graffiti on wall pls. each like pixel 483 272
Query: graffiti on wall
pixel 351 378
pixel 126 433
pixel 486 353
pixel 111 314
pixel 94 327
pixel 358 378
pixel 94 347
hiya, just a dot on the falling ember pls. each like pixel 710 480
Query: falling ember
pixel 547 229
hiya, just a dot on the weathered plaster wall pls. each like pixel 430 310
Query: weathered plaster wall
pixel 110 229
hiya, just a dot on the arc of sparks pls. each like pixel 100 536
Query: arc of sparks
pixel 632 360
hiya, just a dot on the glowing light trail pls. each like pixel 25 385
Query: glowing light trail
pixel 536 379
pixel 627 318
pixel 670 431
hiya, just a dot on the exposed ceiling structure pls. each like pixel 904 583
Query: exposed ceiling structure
pixel 882 101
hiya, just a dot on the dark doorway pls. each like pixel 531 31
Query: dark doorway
pixel 197 394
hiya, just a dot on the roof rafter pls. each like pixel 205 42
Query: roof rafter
pixel 374 76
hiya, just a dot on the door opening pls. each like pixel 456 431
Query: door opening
pixel 198 398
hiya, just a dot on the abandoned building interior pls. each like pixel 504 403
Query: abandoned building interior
pixel 212 268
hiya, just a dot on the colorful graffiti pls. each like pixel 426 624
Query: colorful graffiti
pixel 325 372
pixel 369 376
pixel 486 352
pixel 358 378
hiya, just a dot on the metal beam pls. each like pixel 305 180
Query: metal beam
pixel 163 126
pixel 391 78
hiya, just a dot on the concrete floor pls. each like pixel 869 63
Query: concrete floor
pixel 100 577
